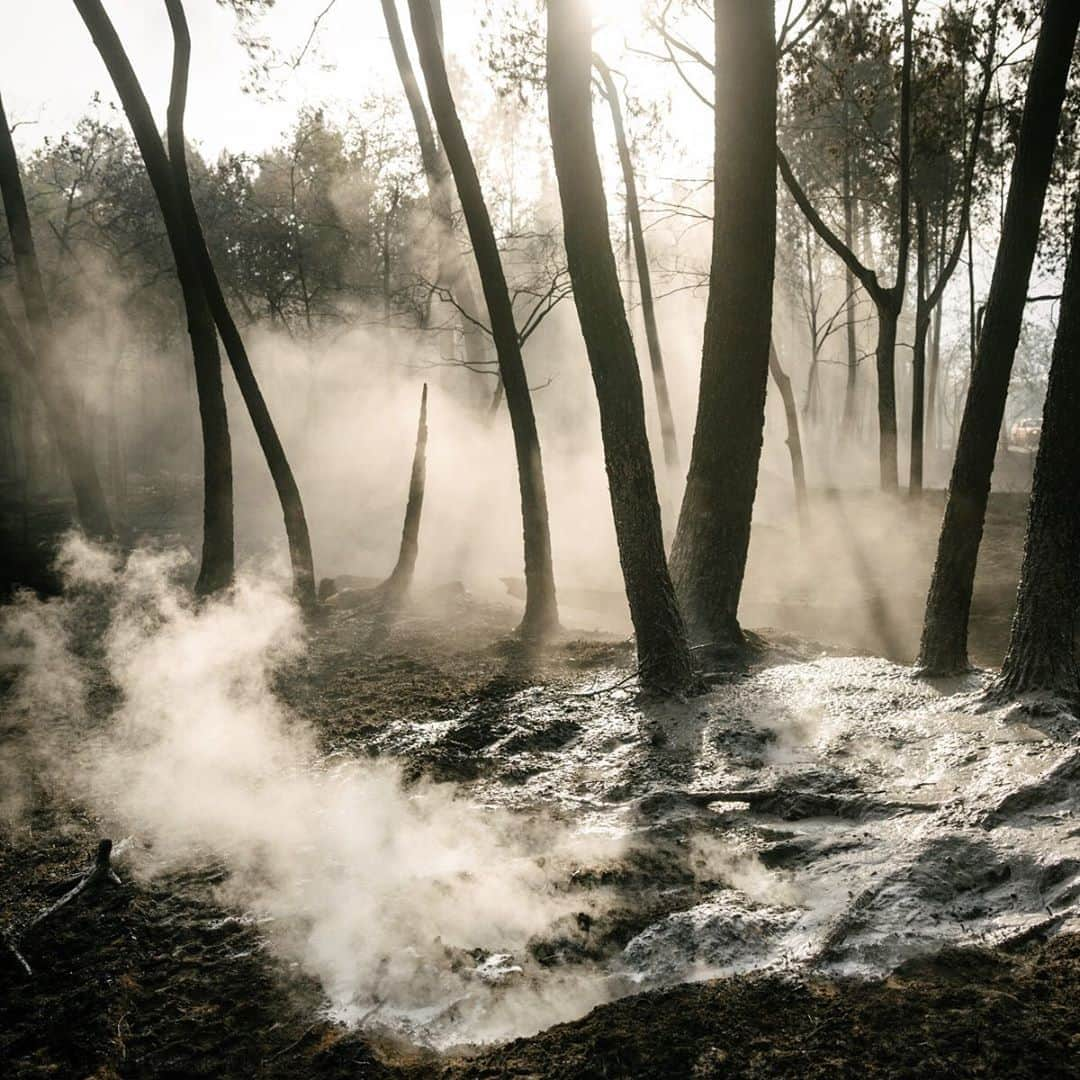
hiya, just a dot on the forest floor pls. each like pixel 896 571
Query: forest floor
pixel 163 977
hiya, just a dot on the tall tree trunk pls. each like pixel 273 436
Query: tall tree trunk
pixel 40 360
pixel 397 584
pixel 712 539
pixel 452 272
pixel 218 553
pixel 944 639
pixel 918 361
pixel 641 257
pixel 541 610
pixel 794 442
pixel 850 386
pixel 288 492
pixel 1042 645
pixel 663 653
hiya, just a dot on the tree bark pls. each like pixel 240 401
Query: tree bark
pixel 541 610
pixel 943 650
pixel 794 442
pixel 712 539
pixel 1042 645
pixel 218 553
pixel 40 359
pixel 663 654
pixel 292 507
pixel 641 256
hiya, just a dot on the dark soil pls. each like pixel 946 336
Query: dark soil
pixel 159 980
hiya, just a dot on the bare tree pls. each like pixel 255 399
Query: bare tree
pixel 663 654
pixel 943 650
pixel 218 554
pixel 641 257
pixel 39 357
pixel 541 609
pixel 712 539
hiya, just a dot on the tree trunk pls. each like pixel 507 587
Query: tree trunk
pixel 397 584
pixel 218 553
pixel 663 654
pixel 288 492
pixel 712 539
pixel 885 362
pixel 452 273
pixel 848 421
pixel 648 310
pixel 1042 645
pixel 40 360
pixel 541 610
pixel 794 442
pixel 944 639
pixel 918 361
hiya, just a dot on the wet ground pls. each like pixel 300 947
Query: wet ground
pixel 818 819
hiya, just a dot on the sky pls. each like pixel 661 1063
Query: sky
pixel 49 68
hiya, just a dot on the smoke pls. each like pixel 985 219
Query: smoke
pixel 412 905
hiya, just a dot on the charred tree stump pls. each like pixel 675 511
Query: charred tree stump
pixel 396 586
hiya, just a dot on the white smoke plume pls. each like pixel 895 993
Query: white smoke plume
pixel 391 895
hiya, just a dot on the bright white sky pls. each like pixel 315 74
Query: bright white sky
pixel 49 68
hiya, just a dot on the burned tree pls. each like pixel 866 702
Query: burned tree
pixel 943 650
pixel 641 258
pixel 218 553
pixel 541 611
pixel 663 653
pixel 39 357
pixel 708 557
pixel 292 507
pixel 1042 645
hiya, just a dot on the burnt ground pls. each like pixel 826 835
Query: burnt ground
pixel 158 979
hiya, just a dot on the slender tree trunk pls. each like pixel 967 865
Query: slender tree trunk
pixel 218 554
pixel 712 539
pixel 641 256
pixel 850 387
pixel 541 610
pixel 918 361
pixel 663 653
pixel 945 629
pixel 1042 645
pixel 288 491
pixel 452 272
pixel 794 442
pixel 397 584
pixel 41 360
